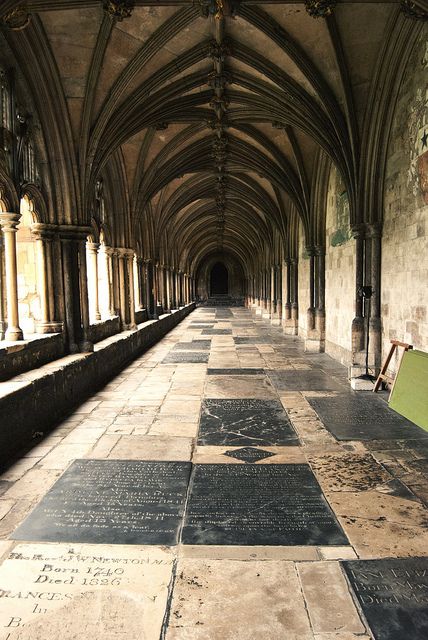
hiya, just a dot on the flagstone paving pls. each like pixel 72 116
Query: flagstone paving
pixel 327 540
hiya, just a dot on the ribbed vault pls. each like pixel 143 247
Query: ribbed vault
pixel 211 124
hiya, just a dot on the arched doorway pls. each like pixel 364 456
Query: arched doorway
pixel 219 280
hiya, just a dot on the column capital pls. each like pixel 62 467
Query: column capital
pixel 319 250
pixel 9 221
pixel 74 232
pixel 310 250
pixel 43 230
pixel 93 247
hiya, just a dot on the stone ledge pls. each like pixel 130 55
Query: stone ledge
pixel 34 401
pixel 18 357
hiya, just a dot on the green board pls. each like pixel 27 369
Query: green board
pixel 409 396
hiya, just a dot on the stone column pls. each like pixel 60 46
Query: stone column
pixel 168 289
pixel 9 223
pixel 140 283
pixel 320 308
pixel 76 308
pixel 92 249
pixel 358 321
pixel 86 344
pixel 131 293
pixel 43 234
pixel 295 295
pixel 375 331
pixel 115 281
pixel 311 309
pixel 110 277
pixel 2 293
pixel 123 286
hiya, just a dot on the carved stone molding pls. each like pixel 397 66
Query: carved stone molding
pixel 18 18
pixel 410 10
pixel 320 8
pixel 119 9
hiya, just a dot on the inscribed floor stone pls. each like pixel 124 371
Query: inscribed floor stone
pixel 372 474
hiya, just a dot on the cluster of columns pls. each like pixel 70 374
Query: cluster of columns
pixel 274 294
pixel 367 321
pixel 62 274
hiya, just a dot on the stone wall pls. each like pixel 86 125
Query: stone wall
pixel 339 271
pixel 405 229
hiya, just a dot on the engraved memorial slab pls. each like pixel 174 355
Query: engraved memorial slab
pixel 393 595
pixel 304 381
pixel 112 502
pixel 249 454
pixel 276 504
pixel 363 416
pixel 252 340
pixel 245 422
pixel 38 580
pixel 182 357
pixel 235 372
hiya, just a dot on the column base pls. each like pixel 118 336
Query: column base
pixel 86 347
pixel 314 345
pixel 275 319
pixel 290 327
pixel 49 327
pixel 14 334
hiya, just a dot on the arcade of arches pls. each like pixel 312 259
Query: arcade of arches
pixel 266 158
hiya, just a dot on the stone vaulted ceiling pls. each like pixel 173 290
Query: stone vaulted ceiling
pixel 211 122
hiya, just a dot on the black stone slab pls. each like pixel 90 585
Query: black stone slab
pixel 303 380
pixel 249 455
pixel 275 504
pixel 245 422
pixel 177 357
pixel 217 332
pixel 235 372
pixel 393 594
pixel 112 502
pixel 196 345
pixel 223 313
pixel 363 416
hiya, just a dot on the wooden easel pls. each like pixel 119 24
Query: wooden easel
pixel 383 377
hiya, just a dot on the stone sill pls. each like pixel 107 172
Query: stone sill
pixel 35 401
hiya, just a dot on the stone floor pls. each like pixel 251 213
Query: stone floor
pixel 333 544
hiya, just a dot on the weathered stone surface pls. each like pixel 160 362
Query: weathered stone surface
pixel 205 603
pixel 102 591
pixel 330 606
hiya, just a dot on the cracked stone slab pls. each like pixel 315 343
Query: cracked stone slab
pixel 245 422
pixel 205 603
pixel 112 502
pixel 277 504
pixel 70 591
pixel 393 594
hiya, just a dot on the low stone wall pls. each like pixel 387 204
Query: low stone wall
pixel 18 357
pixel 32 403
pixel 104 329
